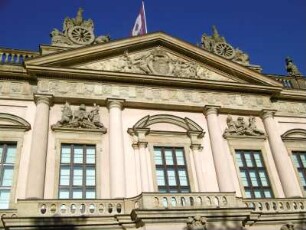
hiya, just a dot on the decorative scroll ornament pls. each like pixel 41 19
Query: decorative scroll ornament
pixel 242 128
pixel 291 68
pixel 76 32
pixel 218 45
pixel 196 223
pixel 80 118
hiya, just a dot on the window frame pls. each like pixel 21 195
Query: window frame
pixel 257 170
pixel 82 138
pixel 299 145
pixel 17 137
pixel 179 140
pixel 72 166
pixel 176 167
pixel 297 169
pixel 260 144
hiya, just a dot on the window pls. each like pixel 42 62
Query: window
pixel 299 159
pixel 253 174
pixel 77 172
pixel 7 160
pixel 171 170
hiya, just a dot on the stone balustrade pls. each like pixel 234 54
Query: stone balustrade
pixel 190 200
pixel 15 57
pixel 276 205
pixel 151 201
pixel 71 207
pixel 292 82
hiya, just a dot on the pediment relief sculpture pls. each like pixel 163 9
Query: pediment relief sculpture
pixel 76 32
pixel 196 223
pixel 156 61
pixel 242 128
pixel 80 118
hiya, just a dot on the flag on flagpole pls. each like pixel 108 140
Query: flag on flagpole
pixel 140 26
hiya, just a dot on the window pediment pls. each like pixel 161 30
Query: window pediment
pixel 294 134
pixel 10 121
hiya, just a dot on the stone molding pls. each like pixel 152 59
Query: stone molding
pixel 11 121
pixel 294 134
pixel 266 113
pixel 115 103
pixel 43 98
pixel 211 109
pixel 141 129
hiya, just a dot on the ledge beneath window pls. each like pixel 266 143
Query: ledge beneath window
pixel 83 130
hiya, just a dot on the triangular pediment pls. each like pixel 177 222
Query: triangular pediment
pixel 155 57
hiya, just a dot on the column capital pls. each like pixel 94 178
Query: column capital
pixel 43 98
pixel 265 113
pixel 115 103
pixel 211 109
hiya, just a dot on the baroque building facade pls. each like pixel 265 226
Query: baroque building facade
pixel 149 132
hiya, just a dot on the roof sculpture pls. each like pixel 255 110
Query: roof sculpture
pixel 76 32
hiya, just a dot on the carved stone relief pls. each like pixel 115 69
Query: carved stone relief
pixel 156 62
pixel 80 118
pixel 242 128
pixel 196 223
pixel 288 226
pixel 11 88
pixel 167 96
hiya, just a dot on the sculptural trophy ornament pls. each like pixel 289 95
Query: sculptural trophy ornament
pixel 242 128
pixel 218 45
pixel 76 32
pixel 291 68
pixel 196 223
pixel 80 118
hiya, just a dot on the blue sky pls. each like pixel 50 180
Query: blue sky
pixel 268 30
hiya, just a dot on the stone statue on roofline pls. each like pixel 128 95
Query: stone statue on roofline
pixel 291 68
pixel 218 45
pixel 77 32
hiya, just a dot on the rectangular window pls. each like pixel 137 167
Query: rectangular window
pixel 171 170
pixel 77 172
pixel 253 174
pixel 7 161
pixel 299 159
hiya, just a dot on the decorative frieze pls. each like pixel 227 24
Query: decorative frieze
pixel 241 128
pixel 163 95
pixel 12 88
pixel 80 118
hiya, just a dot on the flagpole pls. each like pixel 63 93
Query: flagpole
pixel 145 18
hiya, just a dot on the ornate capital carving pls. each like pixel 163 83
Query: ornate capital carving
pixel 139 137
pixel 115 103
pixel 196 223
pixel 211 109
pixel 266 113
pixel 43 98
pixel 288 226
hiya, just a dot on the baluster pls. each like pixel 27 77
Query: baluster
pixel 1 56
pixel 6 57
pixel 18 58
pixel 12 58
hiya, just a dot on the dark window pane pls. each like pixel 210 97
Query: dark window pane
pixel 253 174
pixel 77 172
pixel 171 169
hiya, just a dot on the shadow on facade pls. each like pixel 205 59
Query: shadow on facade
pixel 56 223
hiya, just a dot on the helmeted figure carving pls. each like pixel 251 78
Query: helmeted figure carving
pixel 80 118
pixel 291 68
pixel 76 32
pixel 196 223
pixel 242 128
